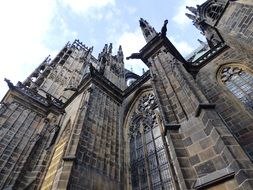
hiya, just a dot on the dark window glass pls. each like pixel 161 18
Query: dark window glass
pixel 149 163
pixel 240 84
pixel 213 10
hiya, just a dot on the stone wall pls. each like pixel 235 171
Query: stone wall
pixel 99 151
pixel 236 25
pixel 202 148
pixel 20 126
pixel 65 72
pixel 236 116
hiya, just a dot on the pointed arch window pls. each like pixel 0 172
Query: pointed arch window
pixel 148 160
pixel 214 11
pixel 211 11
pixel 239 82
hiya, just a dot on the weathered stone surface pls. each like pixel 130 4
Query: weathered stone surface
pixel 179 126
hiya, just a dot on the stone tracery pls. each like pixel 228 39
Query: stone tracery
pixel 148 160
pixel 239 82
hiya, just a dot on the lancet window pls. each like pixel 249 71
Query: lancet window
pixel 148 159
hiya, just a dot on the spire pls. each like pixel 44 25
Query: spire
pixel 193 10
pixel 88 53
pixel 148 32
pixel 105 49
pixel 120 49
pixel 190 16
pixel 201 42
pixel 110 48
pixel 120 55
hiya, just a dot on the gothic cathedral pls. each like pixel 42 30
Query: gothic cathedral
pixel 85 123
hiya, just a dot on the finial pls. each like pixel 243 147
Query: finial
pixel 193 10
pixel 110 48
pixel 91 49
pixel 142 23
pixel 201 42
pixel 120 52
pixel 105 48
pixel 190 16
pixel 120 55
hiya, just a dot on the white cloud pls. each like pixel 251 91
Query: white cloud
pixel 82 6
pixel 25 28
pixel 22 31
pixel 182 46
pixel 66 32
pixel 131 10
pixel 180 17
pixel 132 42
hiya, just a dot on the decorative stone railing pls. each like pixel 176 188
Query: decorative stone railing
pixel 211 53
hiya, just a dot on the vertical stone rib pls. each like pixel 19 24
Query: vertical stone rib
pixel 163 98
pixel 21 146
pixel 24 176
pixel 78 124
pixel 162 69
pixel 6 114
pixel 9 122
pixel 17 125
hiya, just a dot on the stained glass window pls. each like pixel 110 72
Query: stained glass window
pixel 239 81
pixel 148 159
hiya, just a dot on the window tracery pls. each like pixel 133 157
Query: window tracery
pixel 148 159
pixel 211 10
pixel 239 82
pixel 214 11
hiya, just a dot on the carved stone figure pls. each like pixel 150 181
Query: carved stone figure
pixel 164 28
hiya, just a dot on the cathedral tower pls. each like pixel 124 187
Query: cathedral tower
pixel 75 122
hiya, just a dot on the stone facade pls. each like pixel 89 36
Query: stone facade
pixel 78 123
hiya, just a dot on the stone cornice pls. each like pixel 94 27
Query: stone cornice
pixel 155 44
pixel 209 55
pixel 214 178
pixel 49 103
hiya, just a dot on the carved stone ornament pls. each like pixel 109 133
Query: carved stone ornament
pixel 144 115
pixel 228 72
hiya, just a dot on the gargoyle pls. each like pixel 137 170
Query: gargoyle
pixel 134 56
pixel 71 88
pixel 9 83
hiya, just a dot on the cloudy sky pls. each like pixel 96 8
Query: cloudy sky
pixel 31 30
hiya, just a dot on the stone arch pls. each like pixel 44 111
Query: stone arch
pixel 211 11
pixel 237 79
pixel 146 152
